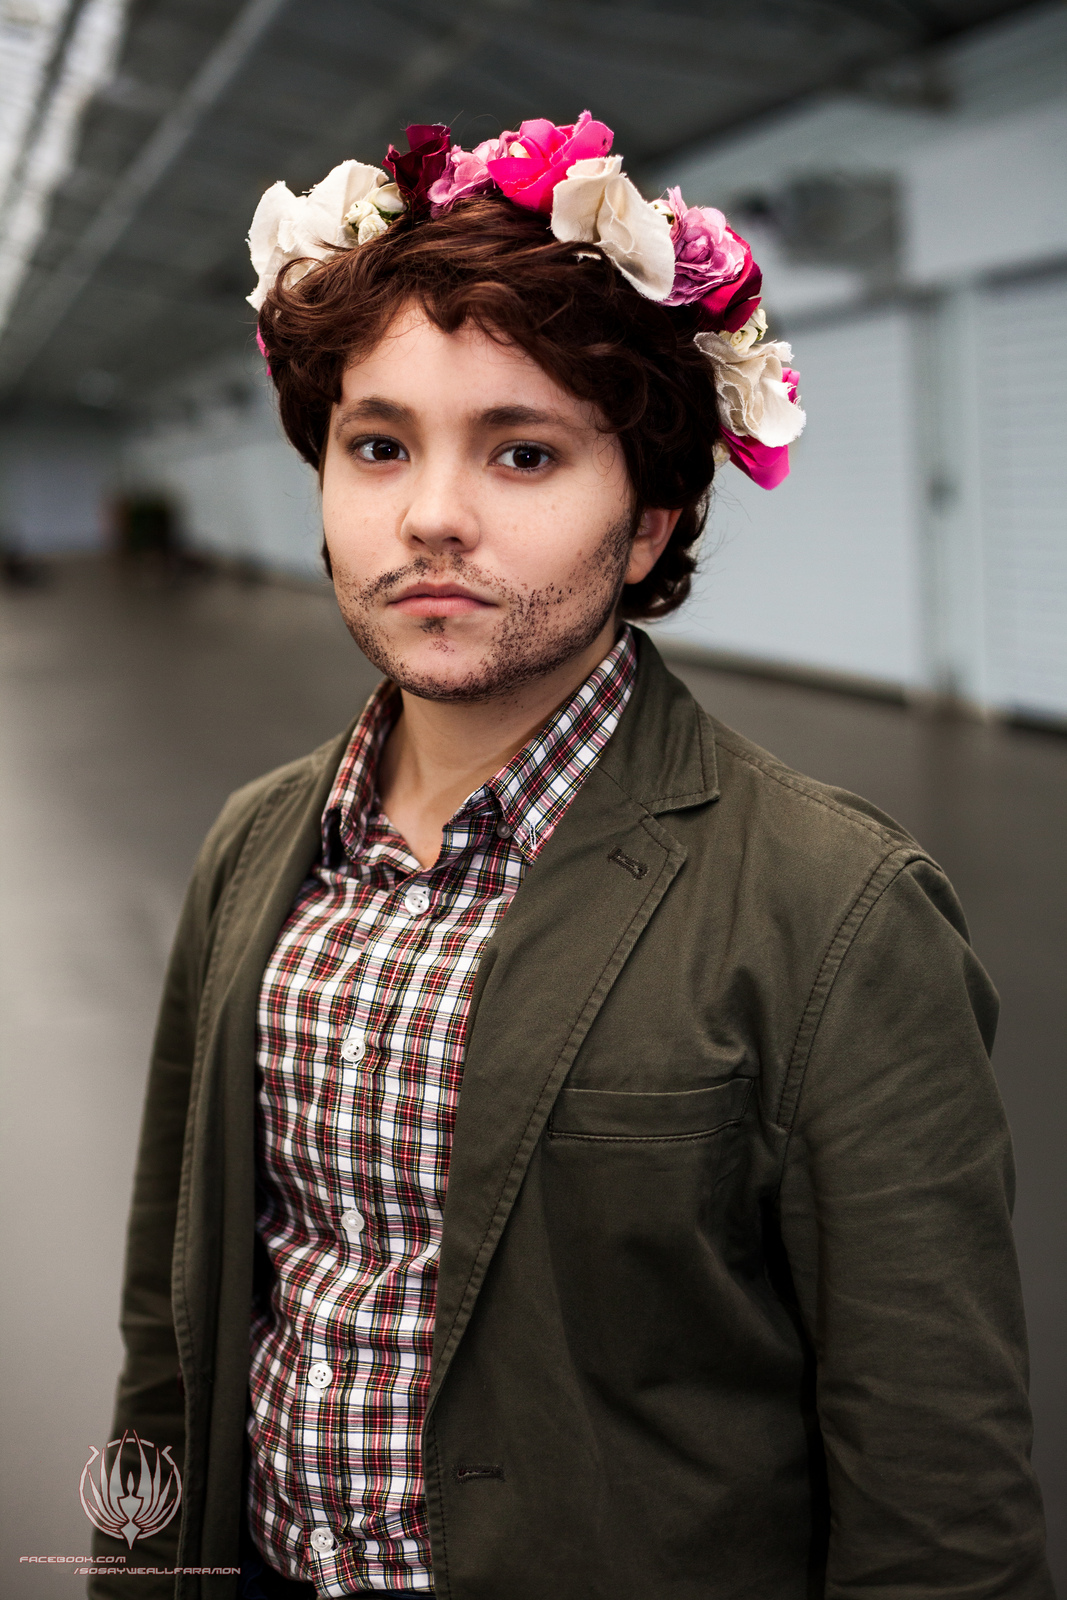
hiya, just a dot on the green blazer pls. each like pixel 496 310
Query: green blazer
pixel 728 1304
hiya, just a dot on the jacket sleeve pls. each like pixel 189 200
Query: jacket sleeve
pixel 896 1215
pixel 150 1398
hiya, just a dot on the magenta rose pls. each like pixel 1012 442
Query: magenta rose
pixel 765 464
pixel 425 161
pixel 731 304
pixel 791 379
pixel 467 173
pixel 529 179
pixel 707 253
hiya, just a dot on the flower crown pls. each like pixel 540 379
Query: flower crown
pixel 671 252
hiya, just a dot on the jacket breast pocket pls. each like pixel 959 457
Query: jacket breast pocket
pixel 648 1117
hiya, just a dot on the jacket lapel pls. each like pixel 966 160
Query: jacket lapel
pixel 553 960
pixel 274 860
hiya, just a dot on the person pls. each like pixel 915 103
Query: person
pixel 571 1167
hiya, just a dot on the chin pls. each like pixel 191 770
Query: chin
pixel 464 678
pixel 433 666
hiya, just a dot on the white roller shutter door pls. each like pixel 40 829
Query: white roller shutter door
pixel 1024 494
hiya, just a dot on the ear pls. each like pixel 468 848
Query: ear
pixel 650 541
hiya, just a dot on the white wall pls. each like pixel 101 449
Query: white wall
pixel 986 199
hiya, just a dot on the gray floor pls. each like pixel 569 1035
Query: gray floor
pixel 130 708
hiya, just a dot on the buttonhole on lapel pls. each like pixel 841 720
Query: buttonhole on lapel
pixel 636 868
pixel 471 1470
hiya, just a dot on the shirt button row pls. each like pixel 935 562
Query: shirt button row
pixel 320 1375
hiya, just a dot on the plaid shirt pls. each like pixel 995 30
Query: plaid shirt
pixel 361 1034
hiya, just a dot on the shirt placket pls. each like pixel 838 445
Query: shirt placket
pixel 340 1365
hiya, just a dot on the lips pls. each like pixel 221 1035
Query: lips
pixel 438 600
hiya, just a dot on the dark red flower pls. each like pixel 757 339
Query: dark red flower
pixel 424 163
pixel 730 305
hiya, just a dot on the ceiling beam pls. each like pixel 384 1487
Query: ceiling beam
pixel 49 80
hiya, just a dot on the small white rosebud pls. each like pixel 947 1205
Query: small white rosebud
pixel 371 227
pixel 517 149
pixel 355 214
pixel 388 200
pixel 365 221
pixel 744 338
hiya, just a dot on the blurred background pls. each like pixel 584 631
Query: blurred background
pixel 893 618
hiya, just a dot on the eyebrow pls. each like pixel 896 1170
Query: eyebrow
pixel 376 408
pixel 523 417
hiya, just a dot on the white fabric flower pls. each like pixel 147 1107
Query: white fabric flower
pixel 311 227
pixel 754 400
pixel 597 204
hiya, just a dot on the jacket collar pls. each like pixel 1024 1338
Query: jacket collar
pixel 663 751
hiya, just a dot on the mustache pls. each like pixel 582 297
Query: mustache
pixel 423 567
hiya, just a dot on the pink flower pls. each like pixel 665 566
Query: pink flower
pixel 263 350
pixel 765 464
pixel 707 253
pixel 467 173
pixel 791 379
pixel 545 153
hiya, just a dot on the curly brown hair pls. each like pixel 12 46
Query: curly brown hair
pixel 491 263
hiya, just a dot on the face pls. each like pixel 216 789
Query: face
pixel 480 524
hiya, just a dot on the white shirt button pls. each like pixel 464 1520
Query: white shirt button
pixel 320 1376
pixel 352 1223
pixel 322 1541
pixel 503 831
pixel 417 900
pixel 354 1046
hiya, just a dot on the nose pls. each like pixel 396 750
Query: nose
pixel 441 517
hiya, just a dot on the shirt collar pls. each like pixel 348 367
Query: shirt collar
pixel 535 788
pixel 352 798
pixel 525 799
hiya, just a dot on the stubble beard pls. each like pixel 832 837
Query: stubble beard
pixel 528 643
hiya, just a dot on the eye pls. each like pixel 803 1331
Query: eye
pixel 524 457
pixel 377 449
